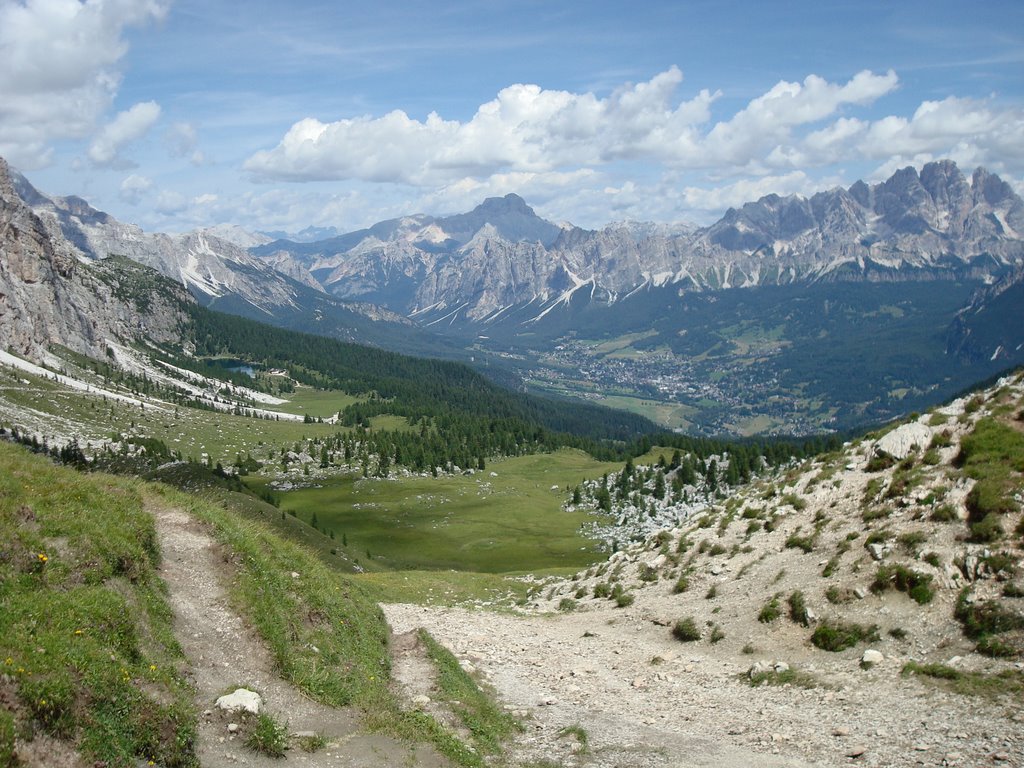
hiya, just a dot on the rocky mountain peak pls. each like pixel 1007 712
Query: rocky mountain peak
pixel 990 188
pixel 511 217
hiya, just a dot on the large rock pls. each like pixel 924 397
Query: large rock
pixel 903 440
pixel 242 700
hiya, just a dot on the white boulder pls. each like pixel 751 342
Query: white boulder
pixel 242 700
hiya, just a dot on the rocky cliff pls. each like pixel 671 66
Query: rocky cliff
pixel 48 295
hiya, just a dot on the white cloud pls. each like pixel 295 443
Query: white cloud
pixel 169 202
pixel 130 125
pixel 134 188
pixel 183 141
pixel 59 69
pixel 527 129
pixel 524 129
pixel 747 190
pixel 665 157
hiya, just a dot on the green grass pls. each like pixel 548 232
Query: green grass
pixel 267 736
pixel 191 431
pixel 510 523
pixel 318 403
pixel 836 636
pixel 489 726
pixel 791 676
pixel 321 609
pixel 993 455
pixel 87 640
pixel 1007 683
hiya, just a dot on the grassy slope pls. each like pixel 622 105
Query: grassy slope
pixel 509 522
pixel 88 651
pixel 87 643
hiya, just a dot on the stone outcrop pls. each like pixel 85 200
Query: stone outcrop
pixel 48 296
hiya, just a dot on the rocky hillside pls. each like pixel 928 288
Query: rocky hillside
pixel 927 225
pixel 873 598
pixel 48 295
pixel 917 530
pixel 211 267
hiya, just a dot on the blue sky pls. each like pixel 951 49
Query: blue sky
pixel 276 116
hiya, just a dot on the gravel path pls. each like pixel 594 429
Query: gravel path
pixel 646 700
pixel 223 654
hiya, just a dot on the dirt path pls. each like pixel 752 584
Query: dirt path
pixel 577 670
pixel 224 654
pixel 647 701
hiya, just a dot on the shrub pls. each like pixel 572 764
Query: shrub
pixel 717 633
pixel 798 608
pixel 879 462
pixel 624 599
pixel 712 592
pixel 944 513
pixel 1001 561
pixel 1013 590
pixel 686 631
pixel 580 593
pixel 794 501
pixel 831 567
pixel 648 572
pixel 912 541
pixel 877 537
pixel 870 514
pixel 898 633
pixel 916 585
pixel 933 559
pixel 682 584
pixel 839 595
pixel 804 543
pixel 567 605
pixel 987 618
pixel 996 647
pixel 838 636
pixel 790 676
pixel 718 549
pixel 602 589
pixel 268 737
pixel 988 529
pixel 770 611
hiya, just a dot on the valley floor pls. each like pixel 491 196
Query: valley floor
pixel 645 700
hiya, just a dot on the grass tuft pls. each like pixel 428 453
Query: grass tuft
pixel 268 736
pixel 834 636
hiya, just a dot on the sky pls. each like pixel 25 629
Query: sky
pixel 277 116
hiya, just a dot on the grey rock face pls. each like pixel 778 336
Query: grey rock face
pixel 48 295
pixel 912 226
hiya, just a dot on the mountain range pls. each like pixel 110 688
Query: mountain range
pixel 475 267
pixel 758 323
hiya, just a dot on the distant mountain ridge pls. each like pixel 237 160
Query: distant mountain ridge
pixel 214 267
pixel 474 267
